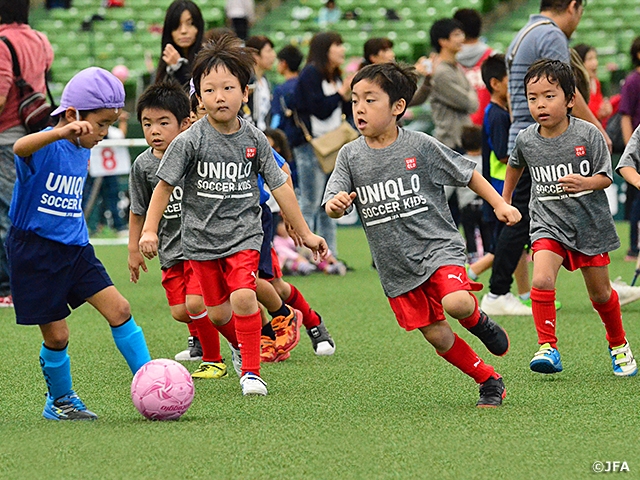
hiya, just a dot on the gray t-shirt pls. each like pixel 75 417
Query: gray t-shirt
pixel 221 201
pixel 631 155
pixel 580 221
pixel 142 182
pixel 543 41
pixel 402 205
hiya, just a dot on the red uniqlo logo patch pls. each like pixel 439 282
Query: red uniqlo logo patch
pixel 410 163
pixel 581 151
pixel 251 152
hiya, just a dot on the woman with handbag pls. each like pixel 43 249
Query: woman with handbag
pixel 35 56
pixel 321 101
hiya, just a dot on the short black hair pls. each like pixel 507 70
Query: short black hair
pixel 167 95
pixel 441 30
pixel 258 42
pixel 292 56
pixel 471 21
pixel 558 5
pixel 582 49
pixel 554 71
pixel 493 66
pixel 226 51
pixel 471 137
pixel 14 11
pixel 280 142
pixel 397 80
pixel 634 51
pixel 374 46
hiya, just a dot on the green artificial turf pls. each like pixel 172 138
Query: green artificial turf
pixel 384 406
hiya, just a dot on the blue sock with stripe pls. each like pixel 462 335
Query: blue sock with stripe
pixel 56 368
pixel 131 343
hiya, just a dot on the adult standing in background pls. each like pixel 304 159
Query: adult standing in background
pixel 182 35
pixel 474 51
pixel 321 98
pixel 240 16
pixel 452 97
pixel 35 57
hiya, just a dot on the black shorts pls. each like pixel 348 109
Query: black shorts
pixel 48 277
pixel 265 267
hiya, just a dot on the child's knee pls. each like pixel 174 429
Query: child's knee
pixel 195 304
pixel 121 312
pixel 459 304
pixel 179 313
pixel 543 282
pixel 602 294
pixel 56 340
pixel 244 301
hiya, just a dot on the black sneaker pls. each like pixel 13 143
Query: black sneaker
pixel 191 354
pixel 492 392
pixel 491 334
pixel 322 342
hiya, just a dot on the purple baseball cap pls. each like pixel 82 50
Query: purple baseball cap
pixel 91 89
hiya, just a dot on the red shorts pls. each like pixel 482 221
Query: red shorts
pixel 219 278
pixel 422 306
pixel 277 272
pixel 572 260
pixel 178 282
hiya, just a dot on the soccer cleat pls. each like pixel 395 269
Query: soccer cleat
pixel 322 342
pixel 287 331
pixel 236 359
pixel 6 302
pixel 252 384
pixel 624 365
pixel 67 407
pixel 492 392
pixel 491 334
pixel 267 349
pixel 507 304
pixel 210 370
pixel 527 303
pixel 546 360
pixel 191 354
pixel 626 293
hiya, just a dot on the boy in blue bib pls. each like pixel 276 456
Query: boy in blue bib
pixel 52 264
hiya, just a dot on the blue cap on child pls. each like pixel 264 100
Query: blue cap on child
pixel 91 89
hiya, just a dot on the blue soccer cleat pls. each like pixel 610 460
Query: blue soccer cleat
pixel 546 360
pixel 67 407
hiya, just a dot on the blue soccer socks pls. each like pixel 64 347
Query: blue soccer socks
pixel 56 369
pixel 131 343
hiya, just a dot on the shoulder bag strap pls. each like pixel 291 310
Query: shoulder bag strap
pixel 302 126
pixel 14 58
pixel 512 55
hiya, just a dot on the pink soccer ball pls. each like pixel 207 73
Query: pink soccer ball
pixel 162 390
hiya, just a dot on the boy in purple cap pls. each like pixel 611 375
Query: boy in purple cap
pixel 52 264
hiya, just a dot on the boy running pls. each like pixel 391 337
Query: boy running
pixel 396 179
pixel 218 159
pixel 163 111
pixel 52 264
pixel 570 167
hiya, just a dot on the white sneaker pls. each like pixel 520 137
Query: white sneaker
pixel 506 304
pixel 624 365
pixel 236 360
pixel 626 293
pixel 252 384
pixel 191 354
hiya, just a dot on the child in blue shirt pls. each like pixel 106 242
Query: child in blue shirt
pixel 52 264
